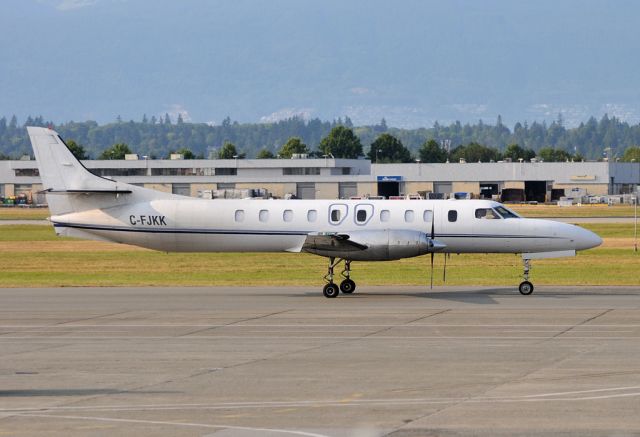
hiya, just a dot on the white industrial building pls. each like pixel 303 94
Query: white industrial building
pixel 326 178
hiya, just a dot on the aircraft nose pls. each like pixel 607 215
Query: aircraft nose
pixel 586 239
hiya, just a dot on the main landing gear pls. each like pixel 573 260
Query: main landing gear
pixel 526 287
pixel 347 285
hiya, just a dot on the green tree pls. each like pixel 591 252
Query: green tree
pixel 387 148
pixel 228 151
pixel 515 152
pixel 117 151
pixel 341 143
pixel 77 150
pixel 293 146
pixel 186 153
pixel 549 154
pixel 265 154
pixel 631 154
pixel 431 151
pixel 474 152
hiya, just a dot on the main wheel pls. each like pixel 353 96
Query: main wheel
pixel 347 286
pixel 330 290
pixel 526 288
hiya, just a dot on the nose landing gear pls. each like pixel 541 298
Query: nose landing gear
pixel 347 285
pixel 526 287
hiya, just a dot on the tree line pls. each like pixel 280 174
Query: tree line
pixel 159 137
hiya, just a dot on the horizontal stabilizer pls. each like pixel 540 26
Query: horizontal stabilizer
pixel 52 191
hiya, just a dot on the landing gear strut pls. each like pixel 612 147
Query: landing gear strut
pixel 526 287
pixel 347 286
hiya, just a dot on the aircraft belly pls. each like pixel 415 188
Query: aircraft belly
pixel 238 243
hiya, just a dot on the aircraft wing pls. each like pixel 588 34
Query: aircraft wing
pixel 331 242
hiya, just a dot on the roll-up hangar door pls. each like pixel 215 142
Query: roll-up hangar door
pixel 306 190
pixel 347 190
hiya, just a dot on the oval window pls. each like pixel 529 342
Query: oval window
pixel 408 216
pixel 361 216
pixel 452 215
pixel 427 216
pixel 263 215
pixel 239 216
pixel 312 215
pixel 287 215
pixel 385 215
pixel 335 215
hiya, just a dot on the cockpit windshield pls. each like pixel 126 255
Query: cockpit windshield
pixel 487 214
pixel 506 212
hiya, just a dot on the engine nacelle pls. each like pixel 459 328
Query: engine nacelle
pixel 383 245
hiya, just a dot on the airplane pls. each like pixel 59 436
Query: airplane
pixel 88 206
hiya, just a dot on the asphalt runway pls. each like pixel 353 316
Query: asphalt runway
pixel 397 361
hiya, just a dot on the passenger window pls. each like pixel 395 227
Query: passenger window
pixel 385 215
pixel 453 215
pixel 337 213
pixel 287 215
pixel 408 216
pixel 263 215
pixel 312 215
pixel 427 216
pixel 486 214
pixel 363 213
pixel 239 216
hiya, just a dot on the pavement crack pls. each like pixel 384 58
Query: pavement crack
pixel 590 319
pixel 211 328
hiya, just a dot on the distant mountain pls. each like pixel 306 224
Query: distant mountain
pixel 412 62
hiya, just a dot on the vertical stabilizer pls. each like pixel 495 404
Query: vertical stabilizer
pixel 63 175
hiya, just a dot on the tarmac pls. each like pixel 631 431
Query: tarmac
pixel 399 361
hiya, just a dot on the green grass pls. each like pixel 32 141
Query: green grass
pixel 30 259
pixel 19 213
pixel 587 211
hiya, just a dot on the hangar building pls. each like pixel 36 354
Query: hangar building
pixel 326 178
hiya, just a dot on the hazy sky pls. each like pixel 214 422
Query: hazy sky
pixel 412 62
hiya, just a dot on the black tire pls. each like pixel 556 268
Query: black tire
pixel 347 286
pixel 330 291
pixel 526 288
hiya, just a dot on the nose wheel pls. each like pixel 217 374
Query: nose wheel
pixel 347 285
pixel 526 288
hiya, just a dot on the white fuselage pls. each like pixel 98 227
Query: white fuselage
pixel 184 224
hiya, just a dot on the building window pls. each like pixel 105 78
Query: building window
pixel 226 171
pixel 385 215
pixel 287 215
pixel 452 215
pixel 222 186
pixel 119 171
pixel 408 216
pixel 312 215
pixel 26 172
pixel 263 215
pixel 239 216
pixel 300 171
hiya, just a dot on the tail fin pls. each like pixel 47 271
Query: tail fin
pixel 64 177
